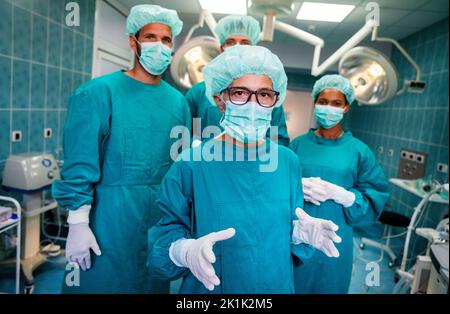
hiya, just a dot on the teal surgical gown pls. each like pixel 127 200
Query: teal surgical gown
pixel 202 196
pixel 349 163
pixel 117 151
pixel 210 114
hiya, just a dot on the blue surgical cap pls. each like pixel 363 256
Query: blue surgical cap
pixel 141 15
pixel 238 25
pixel 334 81
pixel 240 60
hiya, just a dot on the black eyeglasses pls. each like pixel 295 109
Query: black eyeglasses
pixel 241 95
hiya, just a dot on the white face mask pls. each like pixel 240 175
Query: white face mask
pixel 328 116
pixel 155 57
pixel 247 123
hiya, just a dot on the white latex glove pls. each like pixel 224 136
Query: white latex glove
pixel 338 194
pixel 79 242
pixel 198 256
pixel 316 232
pixel 314 191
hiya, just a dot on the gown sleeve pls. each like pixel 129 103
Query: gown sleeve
pixel 278 119
pixel 192 99
pixel 371 191
pixel 175 203
pixel 85 132
pixel 300 251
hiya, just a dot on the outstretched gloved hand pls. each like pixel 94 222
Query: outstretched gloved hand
pixel 316 232
pixel 198 255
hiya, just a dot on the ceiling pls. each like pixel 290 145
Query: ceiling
pixel 398 18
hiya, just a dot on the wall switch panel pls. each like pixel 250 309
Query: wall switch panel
pixel 412 164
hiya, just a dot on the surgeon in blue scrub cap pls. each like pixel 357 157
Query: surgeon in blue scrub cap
pixel 232 30
pixel 117 150
pixel 228 226
pixel 342 181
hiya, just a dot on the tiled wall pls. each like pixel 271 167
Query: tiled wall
pixel 41 61
pixel 415 121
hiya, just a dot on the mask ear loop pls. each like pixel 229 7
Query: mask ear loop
pixel 140 45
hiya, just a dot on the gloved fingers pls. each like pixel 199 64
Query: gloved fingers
pixel 329 225
pixel 301 214
pixel 206 267
pixel 96 248
pixel 314 195
pixel 209 281
pixel 208 253
pixel 222 235
pixel 87 261
pixel 330 249
pixel 311 200
pixel 80 261
pixel 313 186
pixel 332 236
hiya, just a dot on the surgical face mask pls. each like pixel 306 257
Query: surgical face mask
pixel 328 116
pixel 155 57
pixel 246 123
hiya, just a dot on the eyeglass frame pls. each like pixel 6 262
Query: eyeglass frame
pixel 277 95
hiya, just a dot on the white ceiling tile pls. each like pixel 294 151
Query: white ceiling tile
pixel 347 28
pixel 436 6
pixel 321 29
pixel 398 4
pixel 421 19
pixel 358 15
pixel 397 32
pixel 392 16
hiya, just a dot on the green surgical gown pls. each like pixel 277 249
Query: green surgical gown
pixel 199 196
pixel 349 163
pixel 116 147
pixel 210 114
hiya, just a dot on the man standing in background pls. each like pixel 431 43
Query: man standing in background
pixel 117 150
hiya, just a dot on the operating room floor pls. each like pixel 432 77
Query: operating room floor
pixel 48 277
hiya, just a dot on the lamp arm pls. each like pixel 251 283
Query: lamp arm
pixel 400 48
pixel 317 69
pixel 205 17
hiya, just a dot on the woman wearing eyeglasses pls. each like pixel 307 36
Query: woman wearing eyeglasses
pixel 229 224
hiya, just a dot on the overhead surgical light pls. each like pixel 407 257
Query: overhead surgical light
pixel 190 59
pixel 372 75
pixel 192 56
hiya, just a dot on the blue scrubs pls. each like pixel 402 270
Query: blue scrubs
pixel 349 163
pixel 210 114
pixel 116 147
pixel 200 197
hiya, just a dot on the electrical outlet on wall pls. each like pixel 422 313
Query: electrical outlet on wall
pixel 47 133
pixel 441 167
pixel 16 136
pixel 412 164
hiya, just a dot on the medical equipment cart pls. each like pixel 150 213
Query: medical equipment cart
pixel 14 222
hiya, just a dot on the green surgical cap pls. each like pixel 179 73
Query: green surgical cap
pixel 334 81
pixel 240 60
pixel 238 25
pixel 141 15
